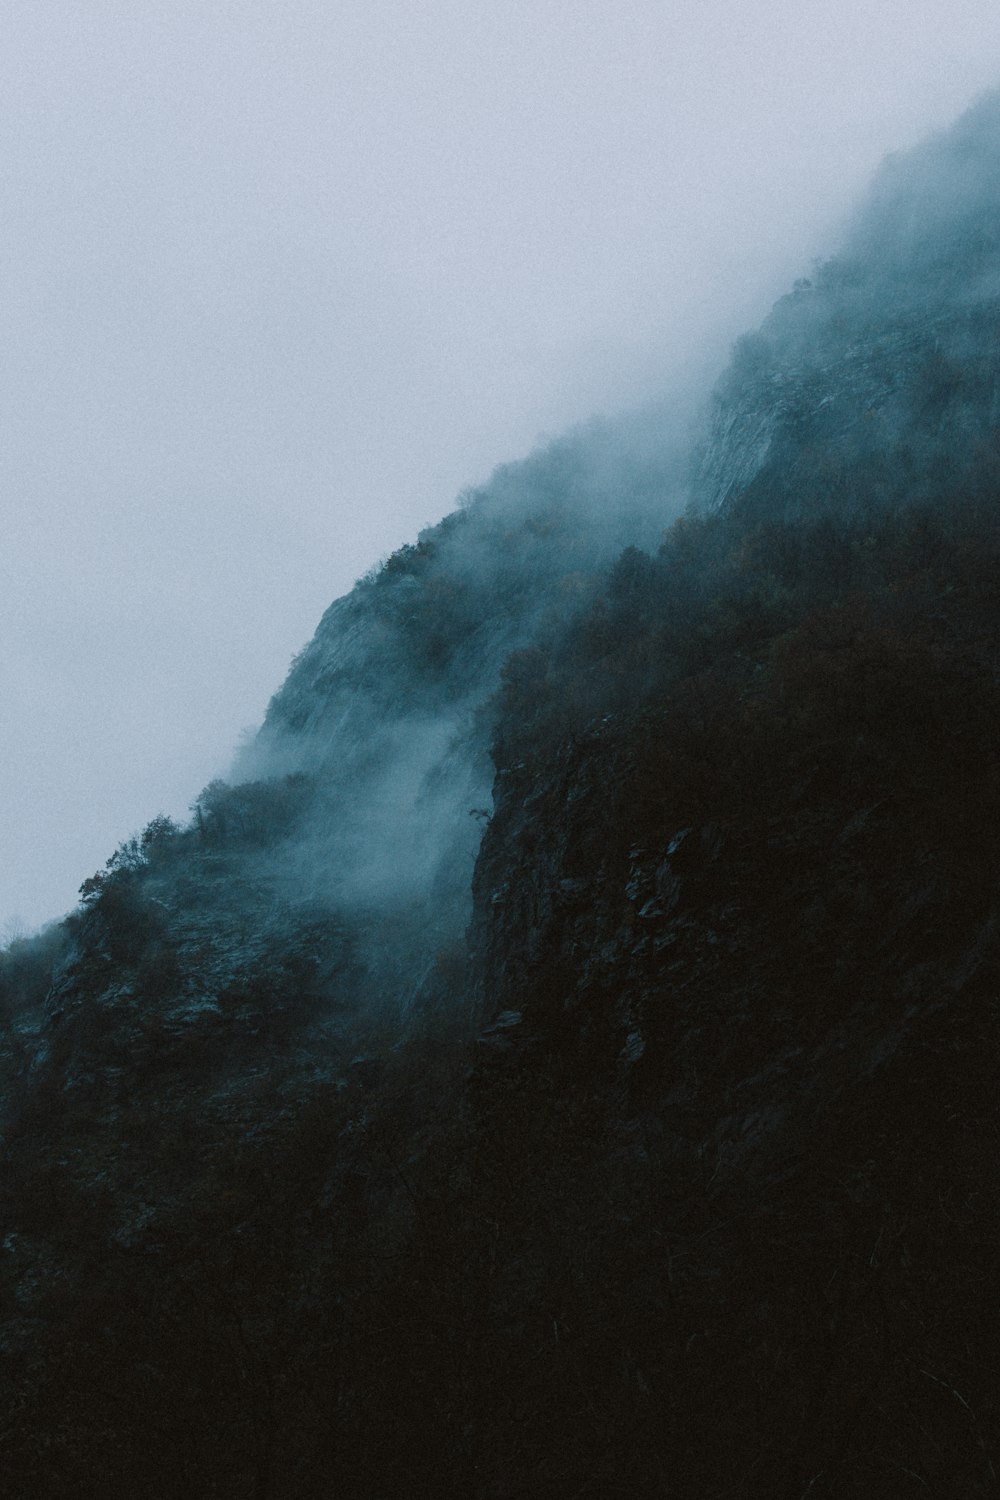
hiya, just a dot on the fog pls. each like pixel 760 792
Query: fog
pixel 279 280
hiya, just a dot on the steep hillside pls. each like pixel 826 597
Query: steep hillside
pixel 875 379
pixel 562 1061
pixel 332 876
pixel 744 933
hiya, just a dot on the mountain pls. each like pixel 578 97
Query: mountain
pixel 561 1059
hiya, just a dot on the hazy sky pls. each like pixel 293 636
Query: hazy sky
pixel 279 278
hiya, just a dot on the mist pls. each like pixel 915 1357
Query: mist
pixel 280 282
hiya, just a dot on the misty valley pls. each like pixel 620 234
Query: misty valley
pixel 560 1059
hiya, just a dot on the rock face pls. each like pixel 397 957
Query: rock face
pixel 771 1021
pixel 885 362
pixel 562 1062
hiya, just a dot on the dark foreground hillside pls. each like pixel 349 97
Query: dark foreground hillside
pixel 709 1208
pixel 664 1162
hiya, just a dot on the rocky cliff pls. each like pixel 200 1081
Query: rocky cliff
pixel 561 1060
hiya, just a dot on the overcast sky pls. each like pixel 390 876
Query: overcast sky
pixel 278 278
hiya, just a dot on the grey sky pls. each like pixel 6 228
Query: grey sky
pixel 278 278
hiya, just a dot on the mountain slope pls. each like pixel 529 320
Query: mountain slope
pixel 634 1135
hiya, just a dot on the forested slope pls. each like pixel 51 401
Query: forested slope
pixel 628 1129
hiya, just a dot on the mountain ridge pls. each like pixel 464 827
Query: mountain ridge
pixel 562 1060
